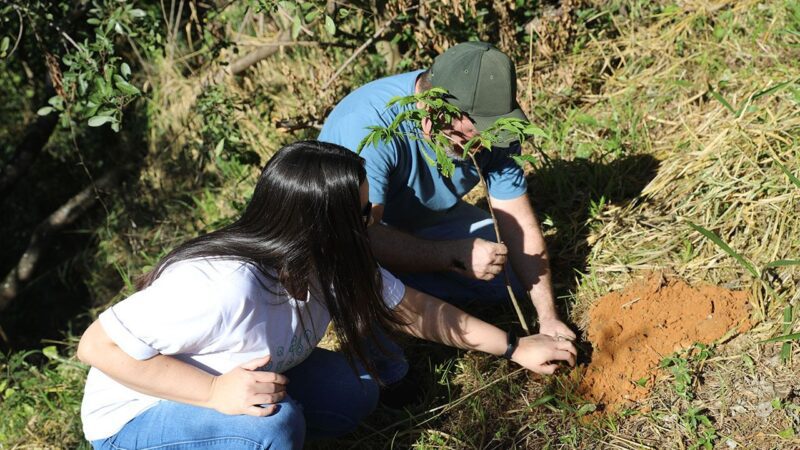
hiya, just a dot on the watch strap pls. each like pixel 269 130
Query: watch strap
pixel 513 340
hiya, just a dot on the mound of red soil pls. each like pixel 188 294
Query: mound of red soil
pixel 633 330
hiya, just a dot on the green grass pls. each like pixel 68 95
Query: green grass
pixel 41 393
pixel 646 84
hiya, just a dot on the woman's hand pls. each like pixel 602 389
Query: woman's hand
pixel 541 353
pixel 244 388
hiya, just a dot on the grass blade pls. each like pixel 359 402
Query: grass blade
pixel 772 89
pixel 542 400
pixel 786 348
pixel 721 244
pixel 789 174
pixel 783 263
pixel 785 337
pixel 722 100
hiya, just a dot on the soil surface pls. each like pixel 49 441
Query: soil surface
pixel 633 330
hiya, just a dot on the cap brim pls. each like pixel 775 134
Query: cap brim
pixel 504 139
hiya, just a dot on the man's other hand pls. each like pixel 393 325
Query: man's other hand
pixel 478 258
pixel 555 328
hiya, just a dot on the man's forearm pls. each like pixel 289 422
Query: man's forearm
pixel 531 264
pixel 402 252
pixel 527 252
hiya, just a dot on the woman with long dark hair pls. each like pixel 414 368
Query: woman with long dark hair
pixel 217 348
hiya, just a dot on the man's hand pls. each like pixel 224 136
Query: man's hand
pixel 241 390
pixel 555 328
pixel 478 258
pixel 541 353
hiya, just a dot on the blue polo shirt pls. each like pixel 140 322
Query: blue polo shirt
pixel 412 191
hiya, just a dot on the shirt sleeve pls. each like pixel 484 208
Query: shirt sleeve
pixel 505 178
pixel 381 158
pixel 181 312
pixel 393 289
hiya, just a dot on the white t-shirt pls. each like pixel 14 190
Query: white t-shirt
pixel 215 314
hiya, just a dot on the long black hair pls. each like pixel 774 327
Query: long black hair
pixel 303 227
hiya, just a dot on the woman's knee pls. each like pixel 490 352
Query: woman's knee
pixel 330 421
pixel 366 403
pixel 286 428
pixel 170 423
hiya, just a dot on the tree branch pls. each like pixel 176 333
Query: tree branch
pixel 36 137
pixel 259 54
pixel 358 51
pixel 58 220
pixel 506 269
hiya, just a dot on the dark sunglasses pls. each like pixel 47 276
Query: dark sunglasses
pixel 366 213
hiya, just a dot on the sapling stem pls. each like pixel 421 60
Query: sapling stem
pixel 499 240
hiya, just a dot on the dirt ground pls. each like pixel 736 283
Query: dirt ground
pixel 633 330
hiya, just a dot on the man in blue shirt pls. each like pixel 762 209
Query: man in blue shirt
pixel 423 232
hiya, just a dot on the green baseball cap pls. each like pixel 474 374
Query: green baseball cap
pixel 482 83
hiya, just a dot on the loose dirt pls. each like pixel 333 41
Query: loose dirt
pixel 633 330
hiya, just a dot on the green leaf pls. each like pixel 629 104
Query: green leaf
pixel 542 400
pixel 287 5
pixel 45 110
pixel 311 15
pixel 788 433
pixel 137 13
pixel 524 160
pixel 50 352
pixel 716 239
pixel 4 44
pixel 586 409
pixel 330 27
pixel 296 25
pixel 97 121
pixel 220 146
pixel 125 70
pixel 532 130
pixel 125 87
pixel 93 21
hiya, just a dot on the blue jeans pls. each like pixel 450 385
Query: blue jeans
pixel 326 398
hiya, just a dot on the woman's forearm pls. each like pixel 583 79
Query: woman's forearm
pixel 435 320
pixel 432 319
pixel 160 376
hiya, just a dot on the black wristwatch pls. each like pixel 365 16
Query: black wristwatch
pixel 513 340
